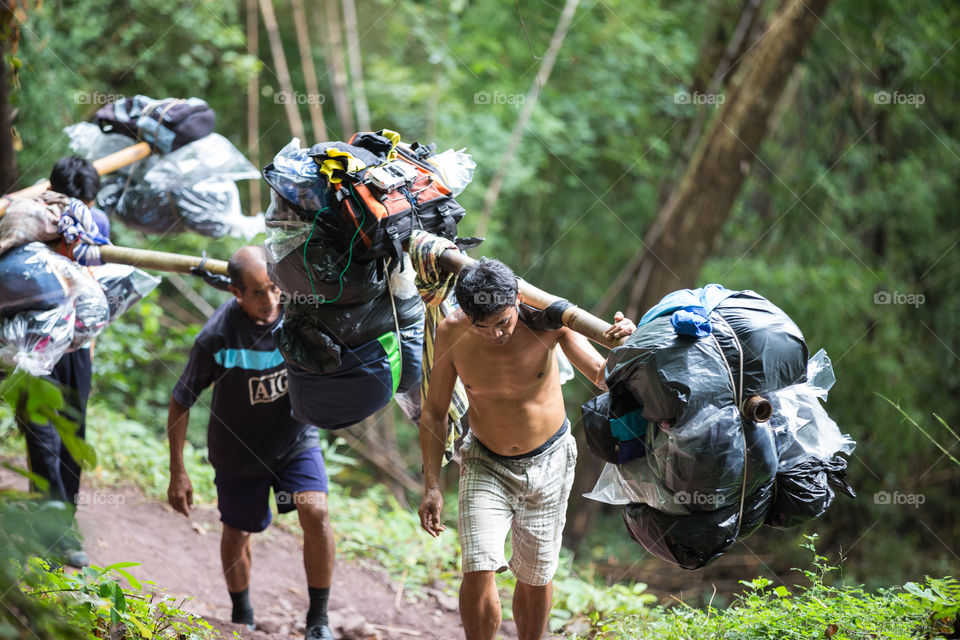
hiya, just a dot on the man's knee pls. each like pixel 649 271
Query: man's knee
pixel 479 579
pixel 233 532
pixel 312 509
pixel 233 536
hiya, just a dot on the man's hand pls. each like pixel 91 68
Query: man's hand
pixel 430 508
pixel 180 492
pixel 621 328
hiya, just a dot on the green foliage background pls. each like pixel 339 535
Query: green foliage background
pixel 849 197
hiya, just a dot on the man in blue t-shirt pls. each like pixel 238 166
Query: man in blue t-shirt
pixel 254 442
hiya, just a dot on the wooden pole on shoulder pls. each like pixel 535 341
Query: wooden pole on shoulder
pixel 573 317
pixel 159 260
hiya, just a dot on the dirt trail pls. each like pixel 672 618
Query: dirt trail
pixel 183 557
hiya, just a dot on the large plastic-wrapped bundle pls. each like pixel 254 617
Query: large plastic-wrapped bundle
pixel 50 305
pixel 190 188
pixel 709 471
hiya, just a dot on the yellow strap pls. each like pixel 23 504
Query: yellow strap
pixel 339 162
pixel 393 137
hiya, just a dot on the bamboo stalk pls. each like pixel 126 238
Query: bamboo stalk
pixel 289 98
pixel 315 100
pixel 356 66
pixel 105 165
pixel 334 49
pixel 253 103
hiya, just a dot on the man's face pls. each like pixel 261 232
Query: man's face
pixel 499 327
pixel 261 298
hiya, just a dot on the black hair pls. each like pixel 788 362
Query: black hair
pixel 238 263
pixel 75 177
pixel 485 288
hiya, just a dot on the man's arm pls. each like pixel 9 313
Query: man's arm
pixel 584 356
pixel 180 489
pixel 199 374
pixel 433 430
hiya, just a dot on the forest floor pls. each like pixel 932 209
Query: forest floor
pixel 182 556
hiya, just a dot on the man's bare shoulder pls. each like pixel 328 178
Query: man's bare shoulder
pixel 456 321
pixel 453 326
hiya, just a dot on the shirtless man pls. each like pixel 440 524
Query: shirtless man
pixel 517 463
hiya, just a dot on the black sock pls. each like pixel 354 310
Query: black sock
pixel 317 613
pixel 242 611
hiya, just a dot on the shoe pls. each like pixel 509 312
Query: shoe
pixel 319 632
pixel 76 558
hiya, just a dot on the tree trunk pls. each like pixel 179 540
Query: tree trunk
pixel 9 37
pixel 253 104
pixel 314 99
pixel 287 97
pixel 738 44
pixel 682 235
pixel 539 82
pixel 333 45
pixel 356 65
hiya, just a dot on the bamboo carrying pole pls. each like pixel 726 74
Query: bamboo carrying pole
pixel 573 317
pixel 105 165
pixel 159 260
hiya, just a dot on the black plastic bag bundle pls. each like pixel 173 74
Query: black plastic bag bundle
pixel 191 188
pixel 711 475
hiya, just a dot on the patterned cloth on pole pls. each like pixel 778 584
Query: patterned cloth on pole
pixel 32 220
pixel 81 234
pixel 435 286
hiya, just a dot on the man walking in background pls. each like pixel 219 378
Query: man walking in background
pixel 47 456
pixel 254 443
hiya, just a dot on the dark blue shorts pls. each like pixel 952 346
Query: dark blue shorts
pixel 244 501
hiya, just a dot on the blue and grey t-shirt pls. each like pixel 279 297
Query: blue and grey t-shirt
pixel 251 430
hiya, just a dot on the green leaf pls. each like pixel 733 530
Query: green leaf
pixel 41 483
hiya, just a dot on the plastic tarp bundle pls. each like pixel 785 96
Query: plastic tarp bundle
pixel 193 185
pixel 711 476
pixel 49 305
pixel 352 334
